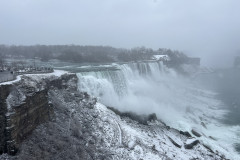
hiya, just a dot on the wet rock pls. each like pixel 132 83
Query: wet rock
pixel 208 148
pixel 185 134
pixel 194 132
pixel 190 143
pixel 203 124
pixel 168 127
pixel 152 117
pixel 141 119
pixel 175 143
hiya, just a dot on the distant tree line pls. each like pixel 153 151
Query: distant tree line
pixel 77 53
pixel 95 54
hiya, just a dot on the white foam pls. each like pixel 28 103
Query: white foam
pixel 151 87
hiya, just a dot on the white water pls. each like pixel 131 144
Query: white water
pixel 150 87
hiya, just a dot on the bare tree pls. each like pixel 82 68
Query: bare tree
pixel 14 66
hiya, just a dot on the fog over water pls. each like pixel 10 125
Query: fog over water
pixel 207 29
pixel 226 84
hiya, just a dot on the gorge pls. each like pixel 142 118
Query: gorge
pixel 71 123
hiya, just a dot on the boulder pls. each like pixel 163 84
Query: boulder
pixel 190 143
pixel 175 143
pixel 195 133
pixel 185 134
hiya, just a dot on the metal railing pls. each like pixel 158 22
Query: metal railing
pixel 7 77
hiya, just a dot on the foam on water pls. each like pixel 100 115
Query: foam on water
pixel 148 87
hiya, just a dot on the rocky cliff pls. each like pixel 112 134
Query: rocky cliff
pixel 4 92
pixel 23 106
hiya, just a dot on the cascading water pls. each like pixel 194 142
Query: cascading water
pixel 151 87
pixel 109 86
pixel 114 85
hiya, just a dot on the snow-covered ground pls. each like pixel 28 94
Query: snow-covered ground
pixel 136 141
pixel 57 73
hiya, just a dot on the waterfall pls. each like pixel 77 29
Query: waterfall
pixel 151 87
pixel 112 84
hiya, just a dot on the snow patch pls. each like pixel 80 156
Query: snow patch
pixel 39 76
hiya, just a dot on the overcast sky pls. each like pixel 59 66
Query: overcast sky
pixel 206 28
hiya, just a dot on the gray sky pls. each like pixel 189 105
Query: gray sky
pixel 206 28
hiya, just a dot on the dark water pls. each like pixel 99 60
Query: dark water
pixel 227 84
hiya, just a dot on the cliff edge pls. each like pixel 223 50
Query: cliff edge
pixel 24 104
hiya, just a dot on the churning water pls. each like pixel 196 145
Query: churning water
pixel 151 87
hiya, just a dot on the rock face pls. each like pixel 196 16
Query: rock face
pixel 4 92
pixel 23 106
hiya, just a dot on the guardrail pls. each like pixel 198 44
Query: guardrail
pixel 5 77
pixel 34 72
